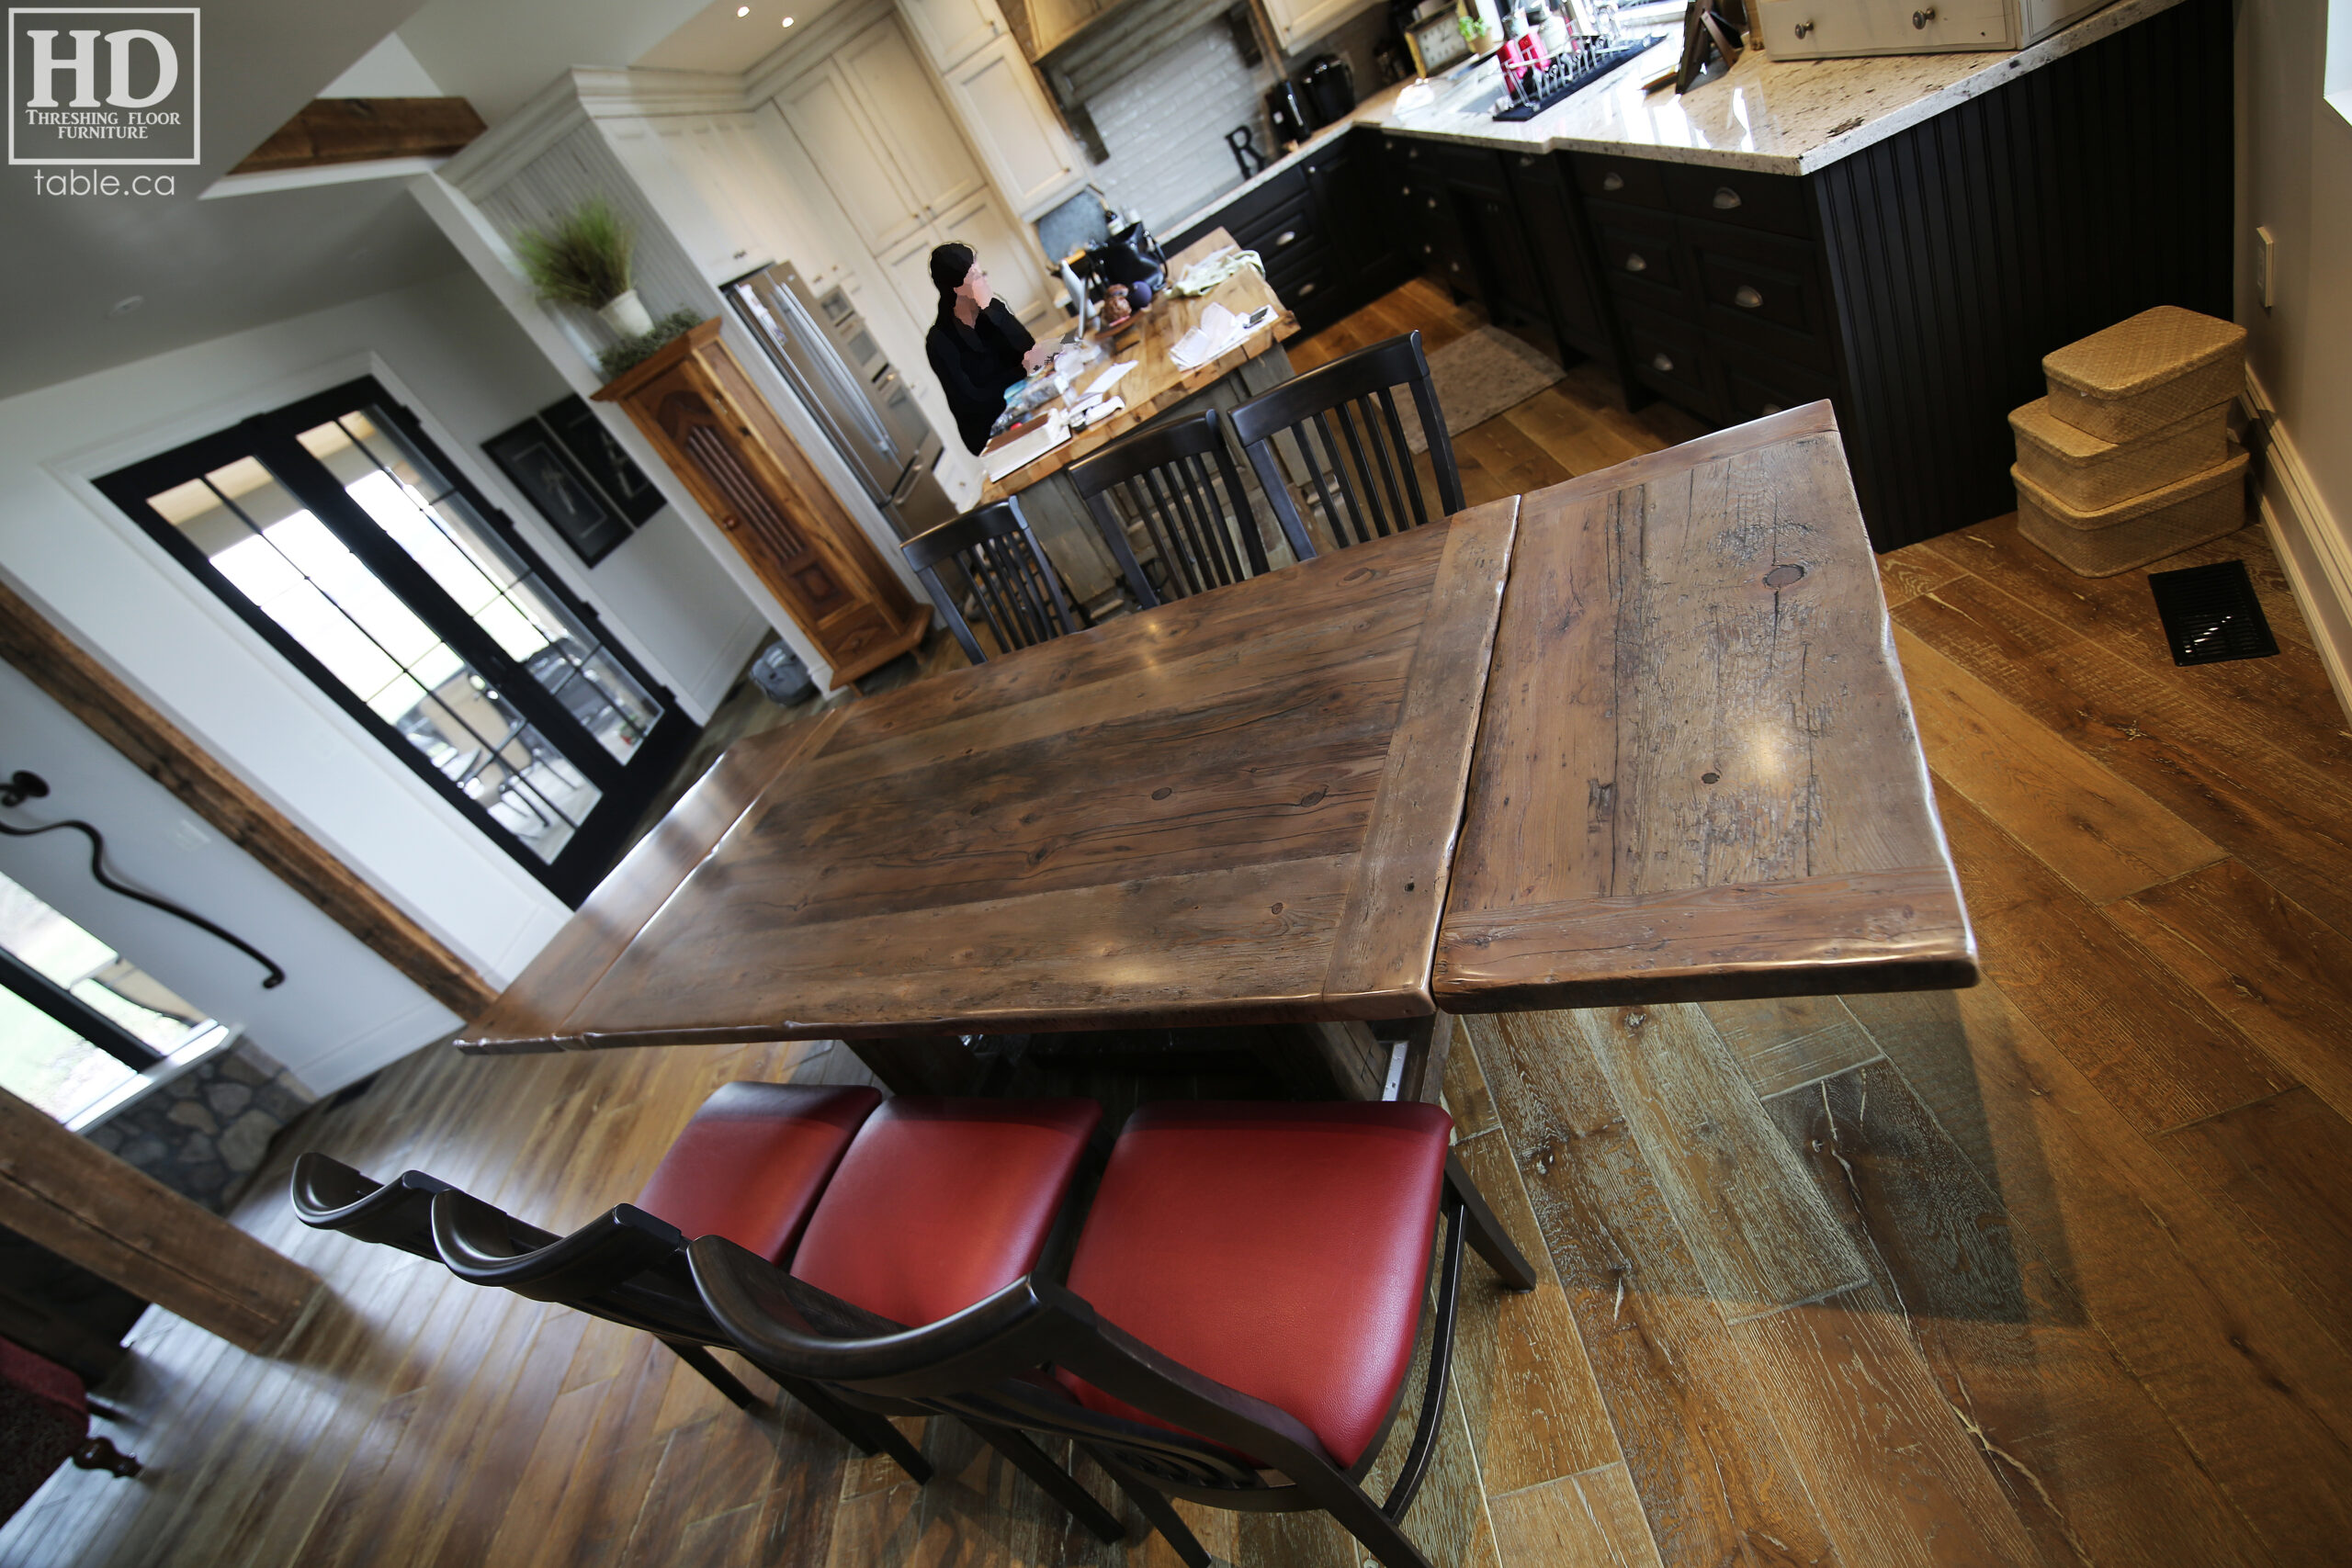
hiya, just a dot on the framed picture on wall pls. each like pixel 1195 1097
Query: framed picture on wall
pixel 592 447
pixel 545 471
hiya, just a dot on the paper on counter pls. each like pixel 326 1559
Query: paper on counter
pixel 1219 332
pixel 1110 377
pixel 1028 448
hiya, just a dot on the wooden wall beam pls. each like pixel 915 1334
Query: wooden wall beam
pixel 357 130
pixel 126 721
pixel 81 1202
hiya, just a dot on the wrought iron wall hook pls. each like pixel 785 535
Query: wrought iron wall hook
pixel 23 786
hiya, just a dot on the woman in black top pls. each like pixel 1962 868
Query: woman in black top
pixel 978 349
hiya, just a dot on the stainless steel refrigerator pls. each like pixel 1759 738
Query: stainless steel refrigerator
pixel 820 346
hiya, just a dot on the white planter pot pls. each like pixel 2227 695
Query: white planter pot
pixel 626 314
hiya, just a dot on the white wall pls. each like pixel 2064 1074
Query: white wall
pixel 2295 177
pixel 446 347
pixel 342 1012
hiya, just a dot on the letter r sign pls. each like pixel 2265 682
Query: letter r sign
pixel 103 86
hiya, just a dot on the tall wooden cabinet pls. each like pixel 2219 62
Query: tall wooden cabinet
pixel 718 434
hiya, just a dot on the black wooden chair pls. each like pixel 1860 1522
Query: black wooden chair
pixel 1238 1325
pixel 1164 478
pixel 1013 581
pixel 1341 418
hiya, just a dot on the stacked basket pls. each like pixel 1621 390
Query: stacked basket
pixel 2129 459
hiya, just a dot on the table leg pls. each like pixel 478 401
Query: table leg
pixel 920 1064
pixel 1427 1040
pixel 1355 1061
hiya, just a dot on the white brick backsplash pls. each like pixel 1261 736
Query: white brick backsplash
pixel 1165 125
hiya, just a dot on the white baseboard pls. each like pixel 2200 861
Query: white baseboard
pixel 2312 545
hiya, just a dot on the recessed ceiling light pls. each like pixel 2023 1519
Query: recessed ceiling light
pixel 742 10
pixel 788 21
pixel 125 306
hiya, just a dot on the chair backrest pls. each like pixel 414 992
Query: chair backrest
pixel 1164 477
pixel 331 1196
pixel 625 1265
pixel 1356 469
pixel 1014 583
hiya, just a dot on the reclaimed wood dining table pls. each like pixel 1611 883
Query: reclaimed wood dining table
pixel 1637 738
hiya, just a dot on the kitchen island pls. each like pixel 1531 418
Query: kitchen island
pixel 1155 387
pixel 1905 235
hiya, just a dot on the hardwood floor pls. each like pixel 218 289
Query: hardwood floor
pixel 2053 1271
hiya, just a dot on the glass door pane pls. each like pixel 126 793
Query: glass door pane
pixel 293 570
pixel 337 530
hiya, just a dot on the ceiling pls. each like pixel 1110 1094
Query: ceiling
pixel 715 38
pixel 203 269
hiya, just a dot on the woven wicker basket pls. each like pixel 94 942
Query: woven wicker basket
pixel 2090 475
pixel 2149 527
pixel 2142 374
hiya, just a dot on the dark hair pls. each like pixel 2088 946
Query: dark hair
pixel 950 264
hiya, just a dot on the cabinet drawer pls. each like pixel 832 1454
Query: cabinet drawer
pixel 1777 202
pixel 1274 230
pixel 1755 385
pixel 1669 356
pixel 1251 212
pixel 1830 29
pixel 1639 255
pixel 1636 180
pixel 1762 288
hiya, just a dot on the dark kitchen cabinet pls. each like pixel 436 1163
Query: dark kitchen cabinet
pixel 1561 252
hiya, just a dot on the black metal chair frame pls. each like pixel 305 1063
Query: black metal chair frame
pixel 626 1267
pixel 1012 579
pixel 987 1366
pixel 1355 391
pixel 1167 472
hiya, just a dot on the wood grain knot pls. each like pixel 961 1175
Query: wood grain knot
pixel 1781 576
pixel 1709 778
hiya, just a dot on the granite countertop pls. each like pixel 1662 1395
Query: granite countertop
pixel 1776 117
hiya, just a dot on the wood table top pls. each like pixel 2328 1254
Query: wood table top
pixel 1697 774
pixel 1157 383
pixel 1235 808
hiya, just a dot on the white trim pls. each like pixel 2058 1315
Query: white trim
pixel 317 174
pixel 2312 545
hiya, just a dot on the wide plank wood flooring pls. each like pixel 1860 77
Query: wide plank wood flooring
pixel 2053 1272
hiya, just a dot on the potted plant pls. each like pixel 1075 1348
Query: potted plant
pixel 585 260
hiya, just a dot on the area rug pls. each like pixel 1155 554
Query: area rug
pixel 1478 375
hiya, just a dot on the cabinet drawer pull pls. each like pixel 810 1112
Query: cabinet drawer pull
pixel 1921 20
pixel 1428 250
pixel 1725 198
pixel 1453 266
pixel 1412 151
pixel 1747 298
pixel 1432 204
pixel 1612 180
pixel 1634 262
pixel 1661 364
pixel 1770 409
pixel 1802 29
pixel 1286 236
pixel 1525 162
pixel 1304 289
pixel 1404 190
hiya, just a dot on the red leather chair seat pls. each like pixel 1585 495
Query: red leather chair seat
pixel 750 1166
pixel 1282 1249
pixel 940 1204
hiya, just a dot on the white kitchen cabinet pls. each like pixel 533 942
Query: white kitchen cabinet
pixel 910 122
pixel 849 150
pixel 998 97
pixel 951 31
pixel 1298 23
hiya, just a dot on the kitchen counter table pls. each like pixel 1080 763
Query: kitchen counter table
pixel 1648 723
pixel 1156 386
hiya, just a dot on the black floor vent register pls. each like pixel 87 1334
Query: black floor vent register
pixel 2210 613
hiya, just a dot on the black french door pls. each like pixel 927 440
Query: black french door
pixel 341 535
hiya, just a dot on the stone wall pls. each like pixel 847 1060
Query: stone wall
pixel 206 1131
